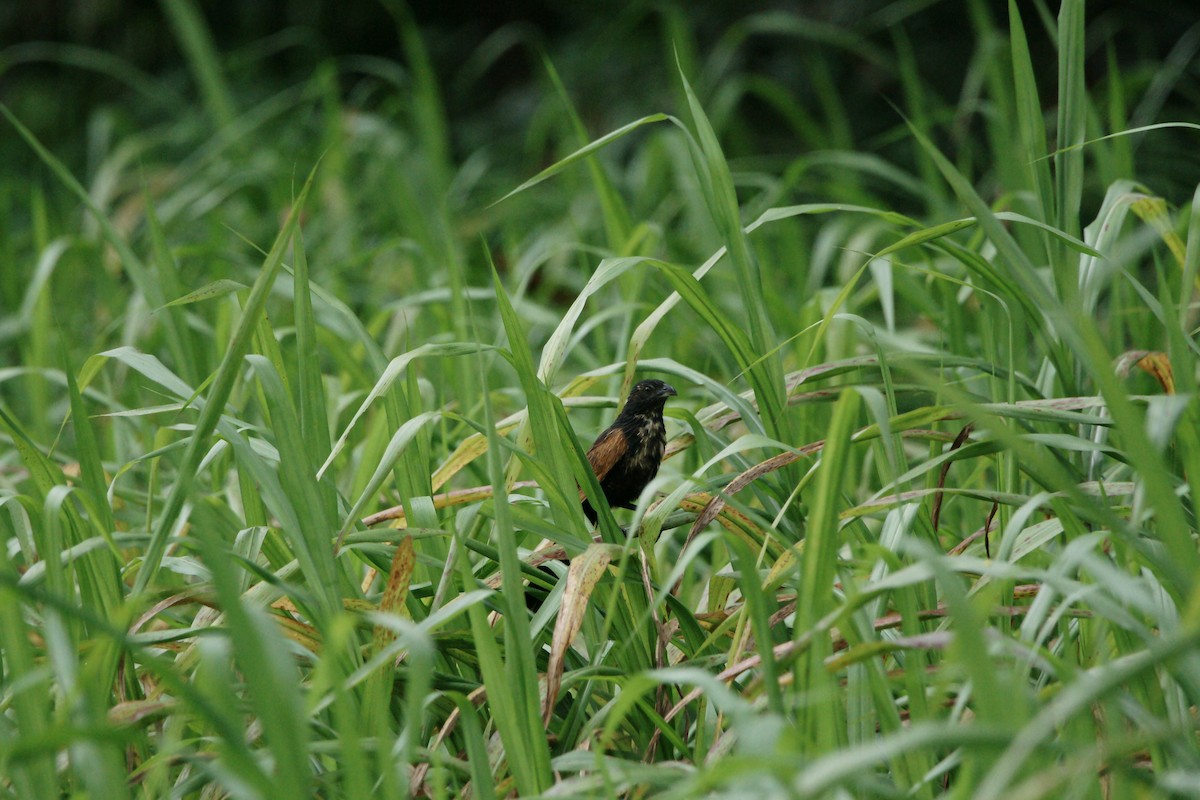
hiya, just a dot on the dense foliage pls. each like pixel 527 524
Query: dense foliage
pixel 298 373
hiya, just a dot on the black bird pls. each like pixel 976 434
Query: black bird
pixel 626 456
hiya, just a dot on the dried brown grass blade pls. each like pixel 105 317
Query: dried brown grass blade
pixel 585 571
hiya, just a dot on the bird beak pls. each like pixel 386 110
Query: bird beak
pixel 667 391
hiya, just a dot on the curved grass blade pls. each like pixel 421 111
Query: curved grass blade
pixel 227 375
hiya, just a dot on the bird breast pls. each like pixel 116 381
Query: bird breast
pixel 652 436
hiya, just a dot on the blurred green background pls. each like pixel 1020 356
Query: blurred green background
pixel 948 310
pixel 126 67
pixel 122 94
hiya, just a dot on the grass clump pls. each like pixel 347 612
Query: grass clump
pixel 289 485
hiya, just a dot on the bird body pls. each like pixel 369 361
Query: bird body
pixel 625 457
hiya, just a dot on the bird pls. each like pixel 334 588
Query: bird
pixel 625 457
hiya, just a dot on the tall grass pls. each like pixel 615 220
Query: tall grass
pixel 289 489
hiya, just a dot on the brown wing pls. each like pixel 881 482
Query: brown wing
pixel 607 451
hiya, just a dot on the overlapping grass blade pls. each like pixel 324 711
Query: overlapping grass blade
pixel 227 374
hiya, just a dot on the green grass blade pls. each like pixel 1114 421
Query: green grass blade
pixel 582 153
pixel 310 387
pixel 1032 126
pixel 1072 130
pixel 196 40
pixel 27 687
pixel 227 375
pixel 821 724
pixel 717 188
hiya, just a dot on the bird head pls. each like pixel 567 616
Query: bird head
pixel 647 395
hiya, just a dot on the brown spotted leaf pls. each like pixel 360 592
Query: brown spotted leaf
pixel 1158 365
pixel 1153 211
pixel 585 571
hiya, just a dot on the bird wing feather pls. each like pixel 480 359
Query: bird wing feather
pixel 607 451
